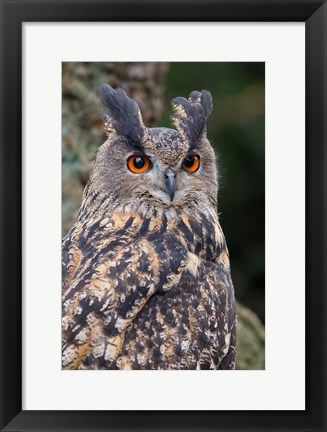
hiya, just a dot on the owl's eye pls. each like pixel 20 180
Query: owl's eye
pixel 138 164
pixel 191 163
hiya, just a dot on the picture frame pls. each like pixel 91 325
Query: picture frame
pixel 13 14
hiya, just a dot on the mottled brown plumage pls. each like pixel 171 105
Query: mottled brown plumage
pixel 146 273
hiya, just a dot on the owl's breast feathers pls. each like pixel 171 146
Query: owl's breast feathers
pixel 147 292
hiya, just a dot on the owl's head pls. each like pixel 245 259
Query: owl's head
pixel 156 166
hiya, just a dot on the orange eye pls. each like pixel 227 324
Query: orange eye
pixel 138 163
pixel 191 163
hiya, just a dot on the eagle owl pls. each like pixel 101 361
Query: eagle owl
pixel 146 275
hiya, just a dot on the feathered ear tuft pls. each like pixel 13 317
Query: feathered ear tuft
pixel 190 115
pixel 121 113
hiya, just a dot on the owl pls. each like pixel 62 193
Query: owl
pixel 146 279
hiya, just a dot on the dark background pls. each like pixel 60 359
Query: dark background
pixel 236 129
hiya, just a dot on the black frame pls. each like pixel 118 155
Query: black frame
pixel 13 14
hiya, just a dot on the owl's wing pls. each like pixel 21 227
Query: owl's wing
pixel 222 290
pixel 105 295
pixel 215 332
pixel 228 362
pixel 192 326
pixel 107 281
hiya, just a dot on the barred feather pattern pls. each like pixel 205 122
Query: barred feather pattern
pixel 147 289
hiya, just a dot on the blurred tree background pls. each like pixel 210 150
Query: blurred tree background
pixel 236 129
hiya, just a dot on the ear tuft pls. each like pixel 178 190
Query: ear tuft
pixel 121 114
pixel 190 115
pixel 206 101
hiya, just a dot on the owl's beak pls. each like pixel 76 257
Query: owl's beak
pixel 170 184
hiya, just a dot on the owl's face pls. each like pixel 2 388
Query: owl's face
pixel 157 166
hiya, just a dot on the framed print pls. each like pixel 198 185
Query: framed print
pixel 263 68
